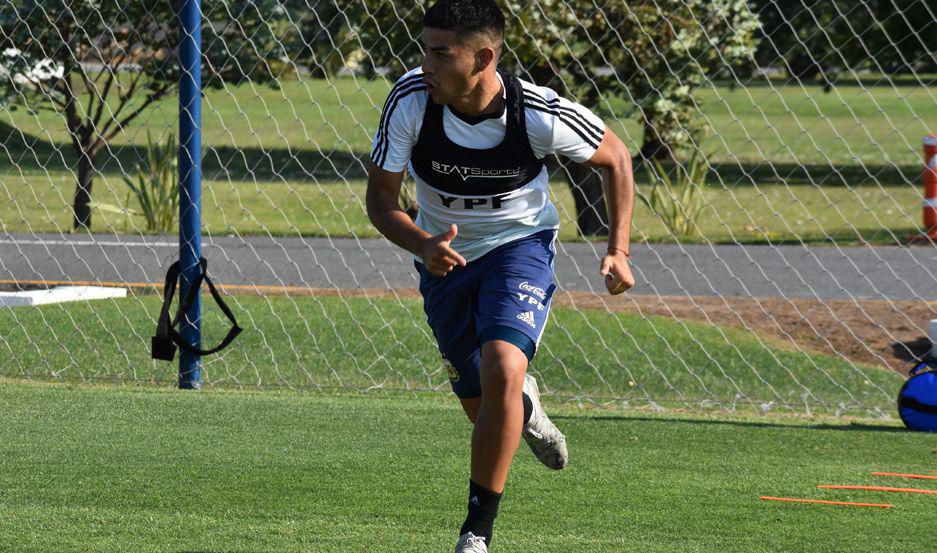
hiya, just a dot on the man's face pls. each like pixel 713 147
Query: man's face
pixel 448 65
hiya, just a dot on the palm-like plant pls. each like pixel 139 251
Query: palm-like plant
pixel 678 199
pixel 156 186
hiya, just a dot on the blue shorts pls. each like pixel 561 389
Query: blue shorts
pixel 504 295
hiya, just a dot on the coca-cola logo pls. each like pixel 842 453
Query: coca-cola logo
pixel 533 290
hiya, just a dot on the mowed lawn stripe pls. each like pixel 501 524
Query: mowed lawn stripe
pixel 105 468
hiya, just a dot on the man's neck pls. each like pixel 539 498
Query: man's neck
pixel 485 98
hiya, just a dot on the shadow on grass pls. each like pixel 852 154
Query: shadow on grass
pixel 845 237
pixel 852 427
pixel 793 174
pixel 856 236
pixel 845 81
pixel 19 151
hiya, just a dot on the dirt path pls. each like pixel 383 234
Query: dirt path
pixel 881 333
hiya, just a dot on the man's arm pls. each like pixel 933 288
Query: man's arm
pixel 614 159
pixel 394 223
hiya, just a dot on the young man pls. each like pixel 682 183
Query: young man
pixel 474 140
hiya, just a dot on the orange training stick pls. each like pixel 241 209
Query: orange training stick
pixel 920 476
pixel 878 489
pixel 824 502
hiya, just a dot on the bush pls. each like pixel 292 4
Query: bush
pixel 155 188
pixel 678 199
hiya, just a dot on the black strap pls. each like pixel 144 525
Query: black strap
pixel 912 403
pixel 167 338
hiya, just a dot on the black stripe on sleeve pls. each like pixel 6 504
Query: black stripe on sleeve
pixel 589 139
pixel 384 143
pixel 399 85
pixel 570 121
pixel 385 115
pixel 555 103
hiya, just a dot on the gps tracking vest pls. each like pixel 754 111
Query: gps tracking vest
pixel 486 173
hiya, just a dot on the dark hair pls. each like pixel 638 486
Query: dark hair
pixel 466 17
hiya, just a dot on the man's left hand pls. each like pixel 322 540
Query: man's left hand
pixel 617 273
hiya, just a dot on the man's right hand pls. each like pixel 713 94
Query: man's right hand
pixel 438 257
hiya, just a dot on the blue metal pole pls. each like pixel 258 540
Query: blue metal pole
pixel 190 181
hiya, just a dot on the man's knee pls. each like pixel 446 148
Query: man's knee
pixel 502 369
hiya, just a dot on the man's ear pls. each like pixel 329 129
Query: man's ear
pixel 484 58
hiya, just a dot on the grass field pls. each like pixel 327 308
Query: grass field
pixel 134 469
pixel 874 125
pixel 769 213
pixel 327 342
pixel 791 163
pixel 330 427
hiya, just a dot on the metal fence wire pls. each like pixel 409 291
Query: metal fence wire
pixel 790 287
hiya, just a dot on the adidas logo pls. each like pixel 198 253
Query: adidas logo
pixel 527 317
pixel 474 500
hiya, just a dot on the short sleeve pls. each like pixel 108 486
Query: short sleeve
pixel 396 133
pixel 560 126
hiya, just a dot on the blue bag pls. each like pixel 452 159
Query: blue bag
pixel 917 400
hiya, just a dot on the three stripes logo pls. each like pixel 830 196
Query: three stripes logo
pixel 527 317
pixel 401 90
pixel 576 121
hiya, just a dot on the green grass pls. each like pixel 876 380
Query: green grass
pixel 790 163
pixel 321 342
pixel 104 469
pixel 775 213
pixel 877 125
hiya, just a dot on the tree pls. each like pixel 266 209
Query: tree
pixel 100 63
pixel 652 53
pixel 321 45
pixel 815 40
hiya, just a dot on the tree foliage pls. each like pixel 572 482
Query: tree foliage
pixel 654 53
pixel 811 39
pixel 101 63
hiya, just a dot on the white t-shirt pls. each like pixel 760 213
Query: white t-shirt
pixel 555 125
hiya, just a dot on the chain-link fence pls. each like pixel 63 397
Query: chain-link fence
pixel 780 279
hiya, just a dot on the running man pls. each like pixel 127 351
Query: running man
pixel 475 138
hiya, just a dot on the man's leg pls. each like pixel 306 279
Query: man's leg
pixel 500 414
pixel 471 405
pixel 510 312
pixel 513 306
pixel 499 417
pixel 543 437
